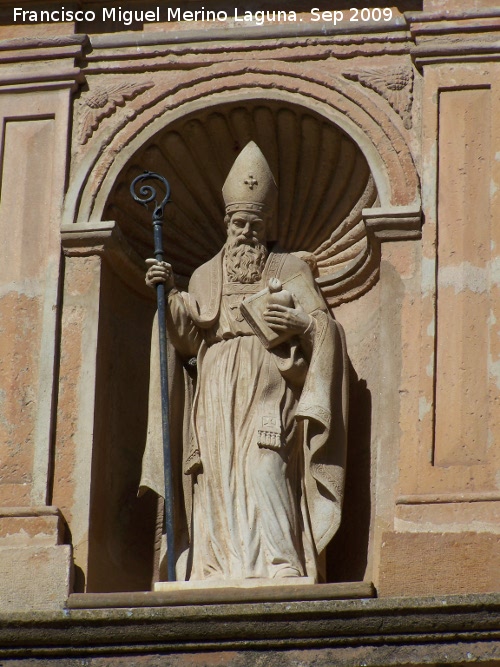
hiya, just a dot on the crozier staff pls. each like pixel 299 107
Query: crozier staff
pixel 148 195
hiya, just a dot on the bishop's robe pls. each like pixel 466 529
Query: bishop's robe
pixel 263 448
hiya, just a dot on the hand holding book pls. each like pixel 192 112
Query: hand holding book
pixel 281 311
pixel 281 314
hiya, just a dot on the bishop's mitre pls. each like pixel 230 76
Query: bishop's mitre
pixel 250 185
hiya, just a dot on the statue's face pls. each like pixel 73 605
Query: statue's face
pixel 245 227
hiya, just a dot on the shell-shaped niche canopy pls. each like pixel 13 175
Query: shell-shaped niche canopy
pixel 323 178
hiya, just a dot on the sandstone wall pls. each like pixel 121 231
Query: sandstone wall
pixel 387 143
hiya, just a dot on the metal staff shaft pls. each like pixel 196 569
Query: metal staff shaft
pixel 149 194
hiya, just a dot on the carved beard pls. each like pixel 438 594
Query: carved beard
pixel 245 261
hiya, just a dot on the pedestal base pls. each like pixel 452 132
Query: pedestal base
pixel 35 568
pixel 168 586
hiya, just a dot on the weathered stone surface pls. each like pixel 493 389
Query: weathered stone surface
pixel 34 577
pixel 453 630
pixel 465 376
pixel 35 567
pixel 230 593
pixel 421 315
pixel 178 586
pixel 17 530
pixel 446 563
pixel 34 163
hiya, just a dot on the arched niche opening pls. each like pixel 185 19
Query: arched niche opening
pixel 324 183
pixel 323 177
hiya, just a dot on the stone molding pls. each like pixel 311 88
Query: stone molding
pixel 457 21
pixel 39 64
pixel 408 33
pixel 401 223
pixel 179 598
pixel 418 628
pixel 28 526
pixel 296 31
pixel 32 511
pixel 186 56
pixel 456 471
pixel 35 564
pixel 447 15
pixel 457 36
pixel 447 51
pixel 105 239
pixel 22 45
pixel 85 239
pixel 445 498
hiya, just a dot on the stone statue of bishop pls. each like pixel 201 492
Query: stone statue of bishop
pixel 262 439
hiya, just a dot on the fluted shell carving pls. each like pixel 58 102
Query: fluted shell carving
pixel 102 102
pixel 323 178
pixel 395 84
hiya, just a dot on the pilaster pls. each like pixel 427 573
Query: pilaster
pixel 36 81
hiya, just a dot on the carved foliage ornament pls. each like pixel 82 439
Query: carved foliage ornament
pixel 395 84
pixel 103 101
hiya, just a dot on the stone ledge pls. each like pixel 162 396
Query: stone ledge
pixel 42 63
pixel 455 655
pixel 19 44
pixel 196 35
pixel 460 621
pixel 394 223
pixel 84 239
pixel 37 525
pixel 228 595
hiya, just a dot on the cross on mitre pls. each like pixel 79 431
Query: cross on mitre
pixel 251 181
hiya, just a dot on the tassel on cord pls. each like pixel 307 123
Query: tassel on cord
pixel 269 440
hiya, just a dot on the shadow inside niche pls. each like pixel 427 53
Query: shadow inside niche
pixel 347 553
pixel 122 525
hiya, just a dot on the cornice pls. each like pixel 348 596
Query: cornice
pixel 106 240
pixel 28 64
pixel 447 16
pixel 430 37
pixel 445 627
pixel 23 44
pixel 299 30
pixel 454 36
pixel 188 49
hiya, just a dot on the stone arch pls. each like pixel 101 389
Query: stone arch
pixel 375 129
pixel 378 133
